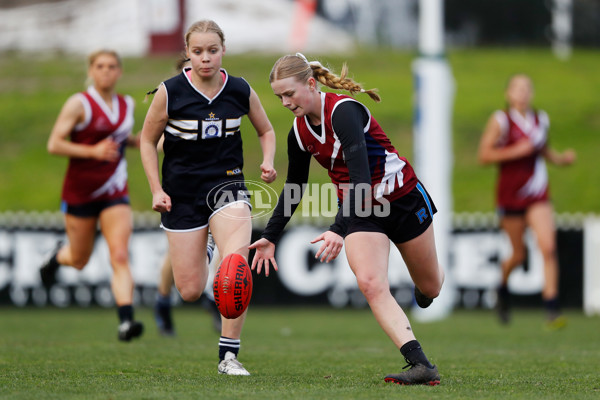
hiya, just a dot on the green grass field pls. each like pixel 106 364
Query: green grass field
pixel 32 93
pixel 293 353
pixel 301 353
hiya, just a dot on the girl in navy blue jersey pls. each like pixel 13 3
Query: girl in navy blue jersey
pixel 199 112
pixel 340 133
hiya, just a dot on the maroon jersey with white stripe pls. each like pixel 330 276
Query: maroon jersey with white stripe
pixel 391 175
pixel 89 179
pixel 524 181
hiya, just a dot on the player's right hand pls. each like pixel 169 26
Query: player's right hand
pixel 106 150
pixel 331 246
pixel 161 202
pixel 523 148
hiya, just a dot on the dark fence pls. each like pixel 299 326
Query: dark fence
pixel 477 247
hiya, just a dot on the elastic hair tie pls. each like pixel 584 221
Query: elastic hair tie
pixel 302 57
pixel 149 94
pixel 312 63
pixel 317 64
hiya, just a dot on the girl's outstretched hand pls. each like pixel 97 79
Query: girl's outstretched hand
pixel 331 247
pixel 265 255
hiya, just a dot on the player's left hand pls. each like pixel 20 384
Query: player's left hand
pixel 265 255
pixel 331 247
pixel 568 157
pixel 269 174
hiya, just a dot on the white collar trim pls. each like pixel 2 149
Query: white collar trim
pixel 184 72
pixel 112 115
pixel 321 137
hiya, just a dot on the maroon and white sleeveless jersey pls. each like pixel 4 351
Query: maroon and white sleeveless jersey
pixel 524 181
pixel 391 175
pixel 88 179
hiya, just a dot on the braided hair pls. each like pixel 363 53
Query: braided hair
pixel 299 67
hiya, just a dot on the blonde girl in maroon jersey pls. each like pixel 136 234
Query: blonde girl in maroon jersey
pixel 341 135
pixel 92 130
pixel 516 139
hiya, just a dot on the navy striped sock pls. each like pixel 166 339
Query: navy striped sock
pixel 209 253
pixel 227 344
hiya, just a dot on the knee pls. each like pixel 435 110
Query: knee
pixel 189 293
pixel 119 257
pixel 431 291
pixel 430 285
pixel 518 257
pixel 548 251
pixel 79 261
pixel 371 287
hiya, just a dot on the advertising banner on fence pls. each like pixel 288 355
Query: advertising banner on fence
pixel 474 264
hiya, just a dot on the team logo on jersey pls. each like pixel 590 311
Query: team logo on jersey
pixel 102 124
pixel 235 171
pixel 311 150
pixel 212 127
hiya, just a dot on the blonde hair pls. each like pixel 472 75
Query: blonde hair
pixel 203 26
pixel 519 75
pixel 94 56
pixel 297 66
pixel 510 80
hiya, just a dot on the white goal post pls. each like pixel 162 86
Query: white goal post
pixel 434 98
pixel 591 266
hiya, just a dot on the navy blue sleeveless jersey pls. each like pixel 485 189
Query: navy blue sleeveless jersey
pixel 203 143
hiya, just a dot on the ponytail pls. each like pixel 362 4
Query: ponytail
pixel 299 67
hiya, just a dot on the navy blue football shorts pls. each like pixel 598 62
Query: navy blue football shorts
pixel 91 209
pixel 409 217
pixel 505 212
pixel 188 215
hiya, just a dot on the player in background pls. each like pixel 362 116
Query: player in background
pixel 517 140
pixel 345 139
pixel 199 112
pixel 93 129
